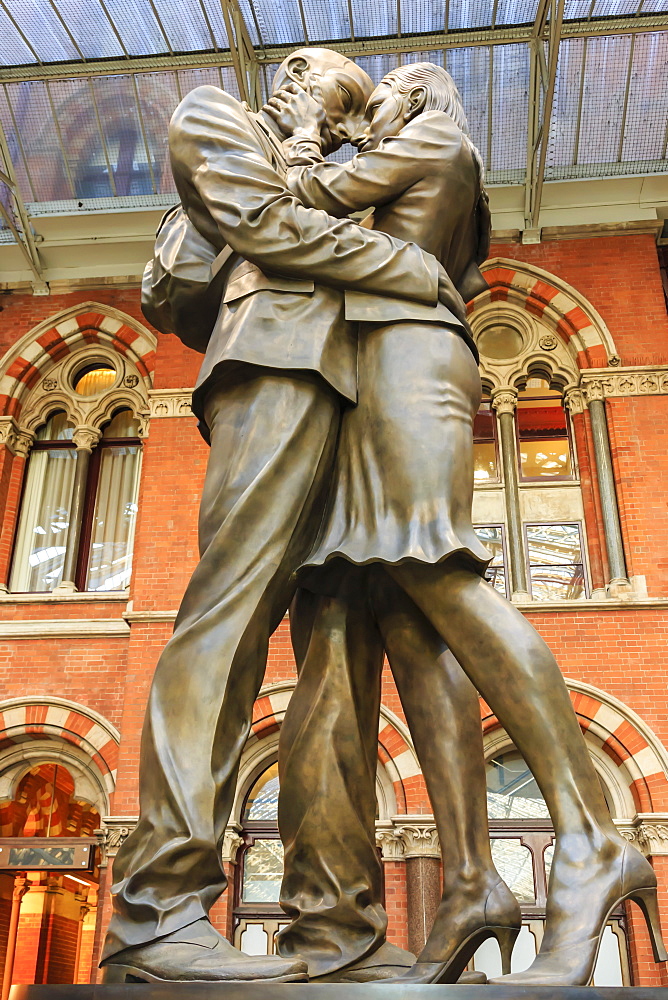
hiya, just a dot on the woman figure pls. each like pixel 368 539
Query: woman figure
pixel 401 504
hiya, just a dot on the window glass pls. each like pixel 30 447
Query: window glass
pixel 263 872
pixel 262 801
pixel 542 431
pixel 555 562
pixel 500 342
pixel 45 509
pixel 491 535
pixel 514 864
pixel 114 518
pixel 512 792
pixel 45 806
pixel 485 466
pixel 94 379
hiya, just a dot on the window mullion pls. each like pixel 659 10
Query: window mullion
pixel 504 402
pixel 85 439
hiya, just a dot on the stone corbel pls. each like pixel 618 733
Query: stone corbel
pixel 16 440
pixel 389 841
pixel 232 841
pixel 574 401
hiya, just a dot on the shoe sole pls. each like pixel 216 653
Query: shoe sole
pixel 131 974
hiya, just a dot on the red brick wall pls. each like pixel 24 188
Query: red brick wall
pixel 620 651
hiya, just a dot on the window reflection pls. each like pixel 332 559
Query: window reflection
pixel 491 535
pixel 556 565
pixel 512 792
pixel 542 431
pixel 262 801
pixel 263 872
pixel 485 466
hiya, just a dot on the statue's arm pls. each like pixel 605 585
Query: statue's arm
pixel 234 197
pixel 371 178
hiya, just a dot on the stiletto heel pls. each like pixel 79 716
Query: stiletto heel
pixel 506 937
pixel 647 900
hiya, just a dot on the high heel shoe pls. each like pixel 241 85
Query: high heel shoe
pixel 573 935
pixel 500 918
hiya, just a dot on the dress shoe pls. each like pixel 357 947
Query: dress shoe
pixel 386 962
pixel 197 953
pixel 459 929
pixel 582 895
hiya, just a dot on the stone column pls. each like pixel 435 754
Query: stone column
pixel 21 886
pixel 85 439
pixel 84 909
pixel 423 877
pixel 222 911
pixel 504 402
pixel 618 584
pixel 17 444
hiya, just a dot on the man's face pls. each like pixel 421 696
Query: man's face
pixel 384 116
pixel 343 93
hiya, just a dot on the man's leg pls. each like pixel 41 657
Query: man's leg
pixel 272 445
pixel 327 803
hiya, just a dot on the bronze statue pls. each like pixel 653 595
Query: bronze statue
pixel 399 516
pixel 280 361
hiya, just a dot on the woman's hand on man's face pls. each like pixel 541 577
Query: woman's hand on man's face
pixel 294 110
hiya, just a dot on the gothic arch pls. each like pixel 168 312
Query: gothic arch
pixel 558 307
pixel 39 727
pixel 86 325
pixel 400 769
pixel 628 755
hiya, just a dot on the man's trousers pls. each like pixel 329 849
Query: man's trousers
pixel 273 438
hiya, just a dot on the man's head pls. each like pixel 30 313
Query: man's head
pixel 405 93
pixel 341 87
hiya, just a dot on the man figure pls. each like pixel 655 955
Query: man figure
pixel 279 362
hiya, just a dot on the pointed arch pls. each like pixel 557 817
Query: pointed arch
pixel 555 303
pixel 639 757
pixel 88 323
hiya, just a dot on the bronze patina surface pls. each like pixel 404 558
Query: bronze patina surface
pixel 338 392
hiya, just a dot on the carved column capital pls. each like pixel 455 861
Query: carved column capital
pixel 86 437
pixel 418 835
pixel 389 841
pixel 21 887
pixel 114 831
pixel 504 400
pixel 16 440
pixel 592 389
pixel 574 400
pixel 648 832
pixel 232 841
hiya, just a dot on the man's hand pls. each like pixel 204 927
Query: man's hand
pixel 295 111
pixel 449 296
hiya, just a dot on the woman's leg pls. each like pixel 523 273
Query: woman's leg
pixel 443 713
pixel 518 676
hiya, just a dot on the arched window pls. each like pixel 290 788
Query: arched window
pixel 79 505
pixel 522 839
pixel 544 446
pixel 257 914
pixel 44 522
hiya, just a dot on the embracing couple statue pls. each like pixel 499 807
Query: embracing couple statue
pixel 338 392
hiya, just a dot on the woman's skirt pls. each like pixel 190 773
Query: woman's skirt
pixel 403 481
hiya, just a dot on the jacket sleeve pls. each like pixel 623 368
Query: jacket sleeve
pixel 234 197
pixel 371 178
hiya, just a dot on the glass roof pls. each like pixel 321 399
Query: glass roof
pixel 86 141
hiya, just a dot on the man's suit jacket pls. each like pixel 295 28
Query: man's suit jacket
pixel 282 305
pixel 425 185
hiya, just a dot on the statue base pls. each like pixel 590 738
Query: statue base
pixel 330 991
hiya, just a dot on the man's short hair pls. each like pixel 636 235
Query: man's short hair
pixel 313 55
pixel 442 93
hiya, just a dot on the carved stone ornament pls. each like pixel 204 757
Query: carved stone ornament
pixel 232 841
pixel 630 382
pixel 391 844
pixel 49 384
pixel 115 830
pixel 420 840
pixel 574 401
pixel 648 832
pixel 171 403
pixel 548 342
pixel 131 381
pixel 504 401
pixel 86 437
pixel 16 440
pixel 614 361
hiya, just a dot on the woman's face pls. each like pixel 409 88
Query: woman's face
pixel 384 116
